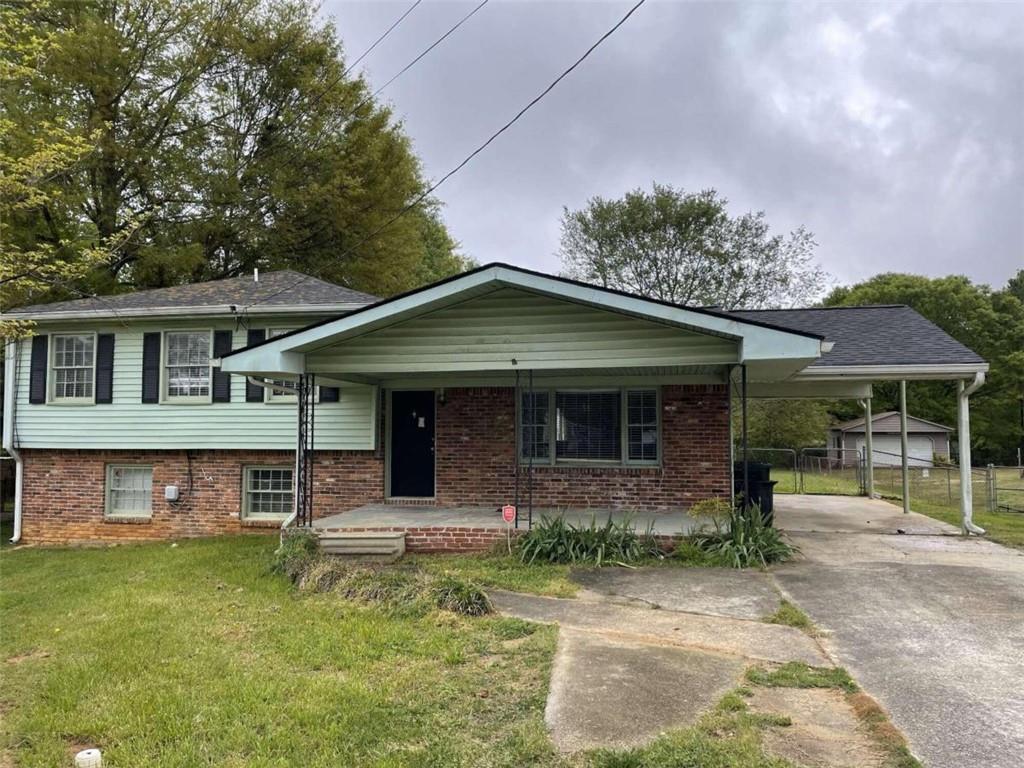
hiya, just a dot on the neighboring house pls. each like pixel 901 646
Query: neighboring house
pixel 926 440
pixel 495 384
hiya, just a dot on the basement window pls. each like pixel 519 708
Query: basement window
pixel 129 491
pixel 268 493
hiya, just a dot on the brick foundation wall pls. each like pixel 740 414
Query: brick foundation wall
pixel 476 456
pixel 64 495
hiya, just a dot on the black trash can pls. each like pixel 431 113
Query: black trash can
pixel 762 487
pixel 766 494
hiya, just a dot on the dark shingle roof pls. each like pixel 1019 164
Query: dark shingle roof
pixel 283 288
pixel 891 334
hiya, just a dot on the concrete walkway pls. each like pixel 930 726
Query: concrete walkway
pixel 930 623
pixel 625 671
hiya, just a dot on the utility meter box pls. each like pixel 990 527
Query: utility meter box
pixel 170 492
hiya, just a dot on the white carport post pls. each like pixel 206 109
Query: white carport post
pixel 869 459
pixel 903 447
pixel 964 442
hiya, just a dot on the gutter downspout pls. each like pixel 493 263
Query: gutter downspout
pixel 904 447
pixel 10 384
pixel 964 439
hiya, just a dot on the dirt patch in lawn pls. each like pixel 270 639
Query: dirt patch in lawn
pixel 825 730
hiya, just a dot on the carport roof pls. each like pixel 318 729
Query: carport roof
pixel 879 335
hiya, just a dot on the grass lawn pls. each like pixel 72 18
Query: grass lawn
pixel 194 654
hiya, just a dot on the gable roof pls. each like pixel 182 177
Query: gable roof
pixel 855 425
pixel 761 341
pixel 888 334
pixel 279 291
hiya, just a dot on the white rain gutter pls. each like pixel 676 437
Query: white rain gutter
pixel 10 373
pixel 963 425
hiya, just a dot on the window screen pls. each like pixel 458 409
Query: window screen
pixel 535 437
pixel 73 358
pixel 129 491
pixel 642 424
pixel 588 426
pixel 188 364
pixel 268 492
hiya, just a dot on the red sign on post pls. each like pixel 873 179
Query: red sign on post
pixel 508 514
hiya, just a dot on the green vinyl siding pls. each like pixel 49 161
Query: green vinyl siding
pixel 127 422
pixel 539 332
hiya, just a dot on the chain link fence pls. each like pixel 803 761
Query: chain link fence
pixel 842 472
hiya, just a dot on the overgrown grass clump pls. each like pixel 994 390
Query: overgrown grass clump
pixel 796 674
pixel 790 615
pixel 554 540
pixel 402 588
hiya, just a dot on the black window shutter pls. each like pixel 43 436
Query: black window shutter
pixel 221 379
pixel 151 367
pixel 37 373
pixel 105 368
pixel 330 394
pixel 254 392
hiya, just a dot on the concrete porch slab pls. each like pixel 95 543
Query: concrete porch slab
pixel 418 516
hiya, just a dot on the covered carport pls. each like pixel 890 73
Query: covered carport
pixel 868 345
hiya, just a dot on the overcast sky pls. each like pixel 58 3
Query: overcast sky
pixel 895 133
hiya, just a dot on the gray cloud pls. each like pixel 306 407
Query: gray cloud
pixel 894 132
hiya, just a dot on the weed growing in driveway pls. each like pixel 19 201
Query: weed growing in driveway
pixel 796 674
pixel 790 616
pixel 729 736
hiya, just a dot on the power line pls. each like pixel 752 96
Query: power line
pixel 376 42
pixel 291 152
pixel 423 196
pixel 429 48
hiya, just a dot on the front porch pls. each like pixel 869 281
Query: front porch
pixel 476 528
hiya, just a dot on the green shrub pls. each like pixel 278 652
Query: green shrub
pixel 745 540
pixel 298 549
pixel 555 541
pixel 453 594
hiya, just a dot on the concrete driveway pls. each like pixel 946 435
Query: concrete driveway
pixel 930 623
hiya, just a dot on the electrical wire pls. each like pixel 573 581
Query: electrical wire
pixel 380 39
pixel 424 195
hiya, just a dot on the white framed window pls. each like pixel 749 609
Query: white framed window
pixel 129 490
pixel 642 425
pixel 187 374
pixel 72 367
pixel 277 395
pixel 267 493
pixel 590 426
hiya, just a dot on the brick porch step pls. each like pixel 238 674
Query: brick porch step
pixel 373 544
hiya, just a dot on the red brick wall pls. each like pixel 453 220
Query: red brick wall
pixel 64 492
pixel 476 455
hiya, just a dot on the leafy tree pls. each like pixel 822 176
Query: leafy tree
pixel 686 248
pixel 793 424
pixel 989 322
pixel 224 134
pixel 32 261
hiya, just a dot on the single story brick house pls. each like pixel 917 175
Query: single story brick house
pixel 276 399
pixel 927 442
